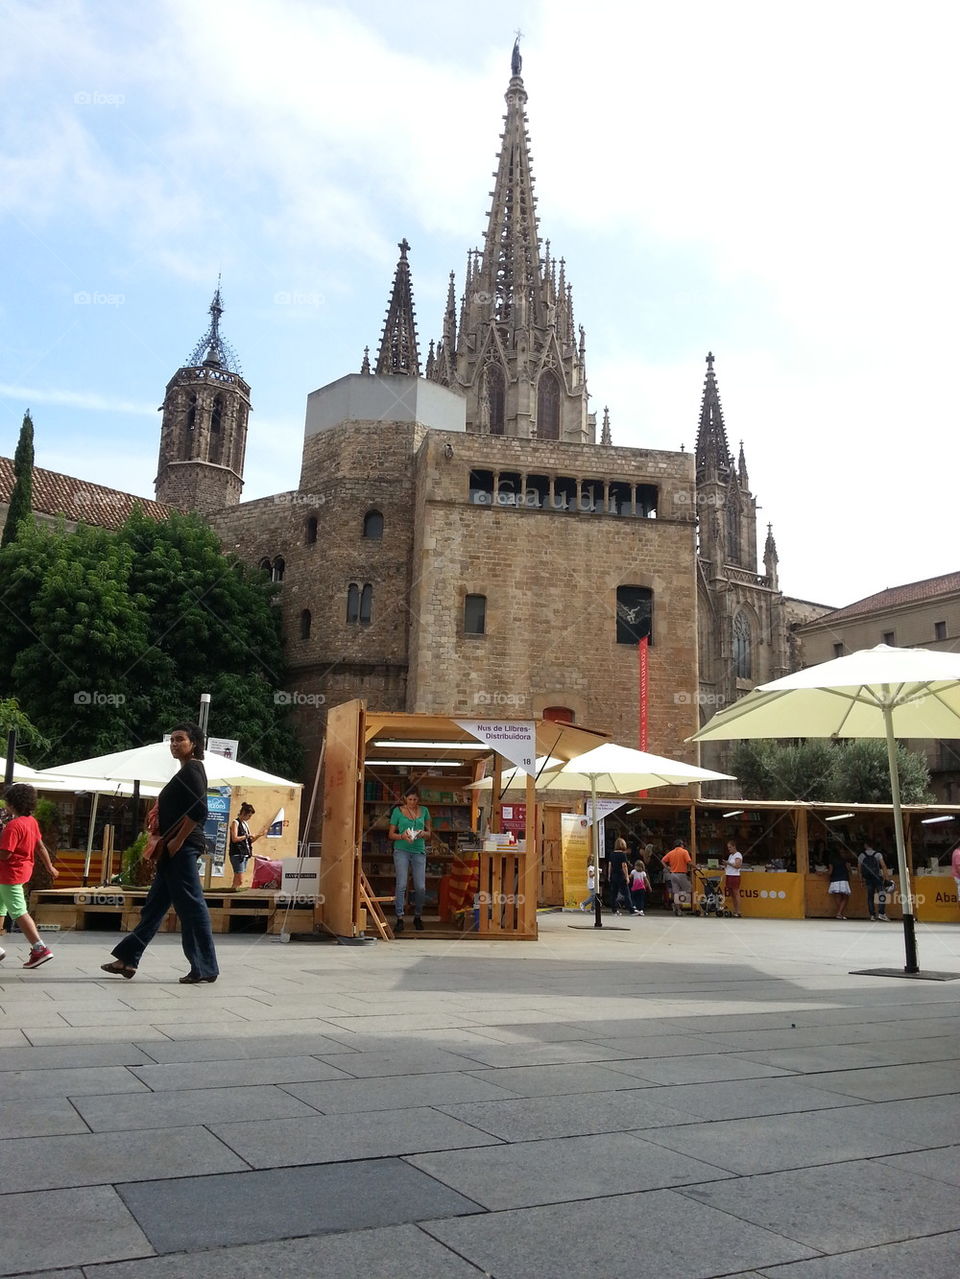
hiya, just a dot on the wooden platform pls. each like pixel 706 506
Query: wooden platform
pixel 114 908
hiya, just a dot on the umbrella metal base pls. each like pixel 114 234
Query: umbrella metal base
pixel 925 975
pixel 603 928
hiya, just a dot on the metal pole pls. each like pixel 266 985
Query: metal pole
pixel 90 827
pixel 204 717
pixel 11 757
pixel 595 832
pixel 906 890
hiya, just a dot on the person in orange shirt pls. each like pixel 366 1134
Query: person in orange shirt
pixel 677 864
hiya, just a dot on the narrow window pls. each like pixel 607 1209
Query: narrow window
pixel 634 614
pixel 267 568
pixel 481 488
pixel 279 568
pixel 838 650
pixel 742 647
pixel 939 630
pixel 366 605
pixel 373 525
pixel 305 623
pixel 889 637
pixel 353 602
pixel 191 428
pixel 310 534
pixel 493 400
pixel 216 431
pixel 548 407
pixel 475 615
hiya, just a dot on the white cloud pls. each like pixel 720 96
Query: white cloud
pixel 88 400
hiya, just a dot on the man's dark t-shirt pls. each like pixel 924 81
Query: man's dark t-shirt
pixel 618 863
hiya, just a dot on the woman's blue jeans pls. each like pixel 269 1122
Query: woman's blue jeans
pixel 403 864
pixel 177 884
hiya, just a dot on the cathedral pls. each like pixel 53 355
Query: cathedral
pixel 460 542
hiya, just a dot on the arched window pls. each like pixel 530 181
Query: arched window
pixel 742 647
pixel 306 621
pixel 216 430
pixel 559 714
pixel 190 433
pixel 353 602
pixel 493 400
pixel 366 605
pixel 733 531
pixel 548 407
pixel 475 615
pixel 310 531
pixel 373 525
pixel 634 614
pixel 279 568
pixel 267 568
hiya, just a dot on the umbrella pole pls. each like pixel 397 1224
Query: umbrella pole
pixel 906 889
pixel 595 832
pixel 90 827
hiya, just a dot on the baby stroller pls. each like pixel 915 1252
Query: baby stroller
pixel 710 898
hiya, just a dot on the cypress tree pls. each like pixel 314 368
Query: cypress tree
pixel 21 498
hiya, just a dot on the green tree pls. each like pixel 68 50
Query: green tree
pixel 109 638
pixel 820 770
pixel 12 717
pixel 862 774
pixel 20 509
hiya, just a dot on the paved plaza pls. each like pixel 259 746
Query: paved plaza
pixel 671 1098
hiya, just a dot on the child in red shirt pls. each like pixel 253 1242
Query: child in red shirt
pixel 19 841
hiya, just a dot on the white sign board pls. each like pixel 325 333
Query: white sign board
pixel 604 808
pixel 301 876
pixel 515 739
pixel 225 746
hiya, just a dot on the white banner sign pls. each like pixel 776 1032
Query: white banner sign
pixel 514 739
pixel 604 808
pixel 225 746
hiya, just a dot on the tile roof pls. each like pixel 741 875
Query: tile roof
pixel 78 500
pixel 896 596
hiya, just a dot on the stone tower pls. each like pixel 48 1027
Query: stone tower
pixel 727 509
pixel 203 434
pixel 514 351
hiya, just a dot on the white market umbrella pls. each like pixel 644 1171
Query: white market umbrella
pixel 155 765
pixel 516 778
pixel 877 692
pixel 610 769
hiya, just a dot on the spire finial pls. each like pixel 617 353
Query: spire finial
pixel 212 350
pixel 605 437
pixel 516 62
pixel 398 346
pixel 365 366
pixel 709 361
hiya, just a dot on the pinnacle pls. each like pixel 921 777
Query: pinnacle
pixel 398 345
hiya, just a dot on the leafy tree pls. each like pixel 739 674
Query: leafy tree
pixel 12 717
pixel 109 638
pixel 862 774
pixel 21 498
pixel 819 770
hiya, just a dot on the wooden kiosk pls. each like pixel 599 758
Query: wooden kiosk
pixel 369 757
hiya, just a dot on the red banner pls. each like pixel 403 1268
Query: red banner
pixel 644 692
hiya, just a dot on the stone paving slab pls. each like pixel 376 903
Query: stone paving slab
pixel 335 1138
pixel 57 1228
pixel 408 1060
pixel 64 1082
pixel 48 1163
pixel 931 1258
pixel 187 1050
pixel 191 1213
pixel 618 1237
pixel 388 1252
pixel 941 1165
pixel 396 1092
pixel 679 1045
pixel 852 1056
pixel 527 1054
pixel 704 1068
pixel 774 1143
pixel 44 1037
pixel 735 1098
pixel 540 1172
pixel 28 1058
pixel 892 1083
pixel 533 1118
pixel 39 1117
pixel 555 1081
pixel 188 1106
pixel 931 1121
pixel 225 1074
pixel 237 1028
pixel 837 1208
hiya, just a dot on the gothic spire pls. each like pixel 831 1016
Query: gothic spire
pixel 398 346
pixel 771 559
pixel 605 437
pixel 742 475
pixel 509 272
pixel 212 350
pixel 713 451
pixel 365 365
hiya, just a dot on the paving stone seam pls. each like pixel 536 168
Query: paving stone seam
pixel 776 1272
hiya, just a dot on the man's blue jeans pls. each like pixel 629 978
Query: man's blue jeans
pixel 177 884
pixel 404 863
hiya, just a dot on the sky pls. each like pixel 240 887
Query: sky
pixel 772 183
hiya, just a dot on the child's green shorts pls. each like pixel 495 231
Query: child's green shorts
pixel 12 900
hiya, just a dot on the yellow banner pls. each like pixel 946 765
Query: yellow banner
pixel 771 895
pixel 575 853
pixel 935 898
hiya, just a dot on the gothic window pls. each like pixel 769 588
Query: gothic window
pixel 742 648
pixel 216 431
pixel 306 621
pixel 310 532
pixel 634 614
pixel 190 433
pixel 548 407
pixel 278 569
pixel 733 534
pixel 353 602
pixel 366 605
pixel 475 615
pixel 494 399
pixel 373 525
pixel 267 567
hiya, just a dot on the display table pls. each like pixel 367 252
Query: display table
pixel 771 894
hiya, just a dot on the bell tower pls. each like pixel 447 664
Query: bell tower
pixel 203 433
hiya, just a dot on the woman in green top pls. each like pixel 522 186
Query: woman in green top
pixel 410 830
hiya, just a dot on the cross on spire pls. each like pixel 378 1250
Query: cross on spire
pixel 212 349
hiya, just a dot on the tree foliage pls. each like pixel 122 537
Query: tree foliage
pixel 20 509
pixel 109 638
pixel 818 770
